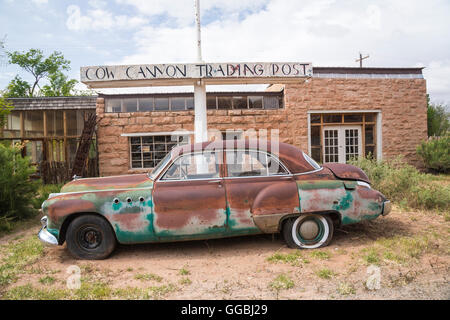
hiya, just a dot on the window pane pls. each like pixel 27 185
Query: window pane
pixel 146 104
pixel 239 102
pixel 130 105
pixel 34 123
pixel 315 118
pixel 353 118
pixel 146 152
pixel 369 134
pixel 194 166
pixel 177 104
pixel 71 121
pixel 113 105
pixel 315 135
pixel 271 103
pixel 370 150
pixel 161 104
pixel 369 117
pixel 315 153
pixel 332 118
pixel 251 164
pixel 55 123
pixel 211 102
pixel 190 103
pixel 255 102
pixel 224 102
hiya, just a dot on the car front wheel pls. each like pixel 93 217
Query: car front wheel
pixel 308 231
pixel 90 237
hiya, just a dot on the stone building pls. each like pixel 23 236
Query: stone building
pixel 336 114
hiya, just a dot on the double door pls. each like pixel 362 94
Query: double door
pixel 341 143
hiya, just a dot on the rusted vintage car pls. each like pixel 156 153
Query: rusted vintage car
pixel 212 190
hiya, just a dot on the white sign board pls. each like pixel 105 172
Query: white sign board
pixel 187 73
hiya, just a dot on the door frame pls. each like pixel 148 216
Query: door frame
pixel 378 126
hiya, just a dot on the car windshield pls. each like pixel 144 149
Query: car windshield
pixel 311 161
pixel 157 169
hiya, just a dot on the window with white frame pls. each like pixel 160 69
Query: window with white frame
pixel 148 151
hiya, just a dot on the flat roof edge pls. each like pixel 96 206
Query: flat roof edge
pixel 368 70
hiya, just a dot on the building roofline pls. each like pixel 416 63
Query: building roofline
pixel 51 98
pixel 364 70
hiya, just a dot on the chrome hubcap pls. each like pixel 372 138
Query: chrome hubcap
pixel 308 230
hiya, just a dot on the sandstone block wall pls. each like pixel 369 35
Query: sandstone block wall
pixel 401 101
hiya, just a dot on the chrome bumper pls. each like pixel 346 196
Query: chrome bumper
pixel 387 206
pixel 46 237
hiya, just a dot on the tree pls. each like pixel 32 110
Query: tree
pixel 17 191
pixel 39 67
pixel 437 119
pixel 18 88
pixel 59 85
pixel 5 109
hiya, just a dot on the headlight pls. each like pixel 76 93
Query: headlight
pixel 364 184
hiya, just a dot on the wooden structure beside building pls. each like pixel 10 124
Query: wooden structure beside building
pixel 50 129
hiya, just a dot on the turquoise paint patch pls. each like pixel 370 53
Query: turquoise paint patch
pixel 375 206
pixel 117 206
pixel 139 236
pixel 345 202
pixel 348 220
pixel 54 232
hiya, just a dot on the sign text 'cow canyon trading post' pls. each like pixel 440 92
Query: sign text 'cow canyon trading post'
pixel 186 73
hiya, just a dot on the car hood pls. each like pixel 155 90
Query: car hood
pixel 347 172
pixel 108 183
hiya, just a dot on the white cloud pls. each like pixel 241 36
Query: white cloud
pixel 438 80
pixel 325 32
pixel 99 19
pixel 183 10
pixel 40 1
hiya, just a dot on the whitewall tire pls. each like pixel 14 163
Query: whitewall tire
pixel 308 231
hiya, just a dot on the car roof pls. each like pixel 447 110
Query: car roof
pixel 291 156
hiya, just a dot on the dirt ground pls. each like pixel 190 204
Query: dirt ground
pixel 411 250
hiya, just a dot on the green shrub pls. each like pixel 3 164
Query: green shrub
pixel 405 185
pixel 43 193
pixel 436 153
pixel 16 189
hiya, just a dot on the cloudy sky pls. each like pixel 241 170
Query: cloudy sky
pixel 395 33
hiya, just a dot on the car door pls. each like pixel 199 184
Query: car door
pixel 256 184
pixel 189 198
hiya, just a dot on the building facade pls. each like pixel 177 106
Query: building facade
pixel 337 114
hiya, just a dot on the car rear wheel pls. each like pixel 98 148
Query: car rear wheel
pixel 90 237
pixel 308 231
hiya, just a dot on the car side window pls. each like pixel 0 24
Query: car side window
pixel 247 163
pixel 194 166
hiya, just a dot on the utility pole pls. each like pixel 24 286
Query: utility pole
pixel 361 58
pixel 200 121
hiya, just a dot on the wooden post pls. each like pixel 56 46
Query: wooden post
pixel 22 123
pixel 65 137
pixel 45 142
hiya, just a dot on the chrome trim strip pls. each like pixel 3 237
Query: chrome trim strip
pixel 313 171
pixel 105 190
pixel 387 207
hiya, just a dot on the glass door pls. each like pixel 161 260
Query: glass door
pixel 341 143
